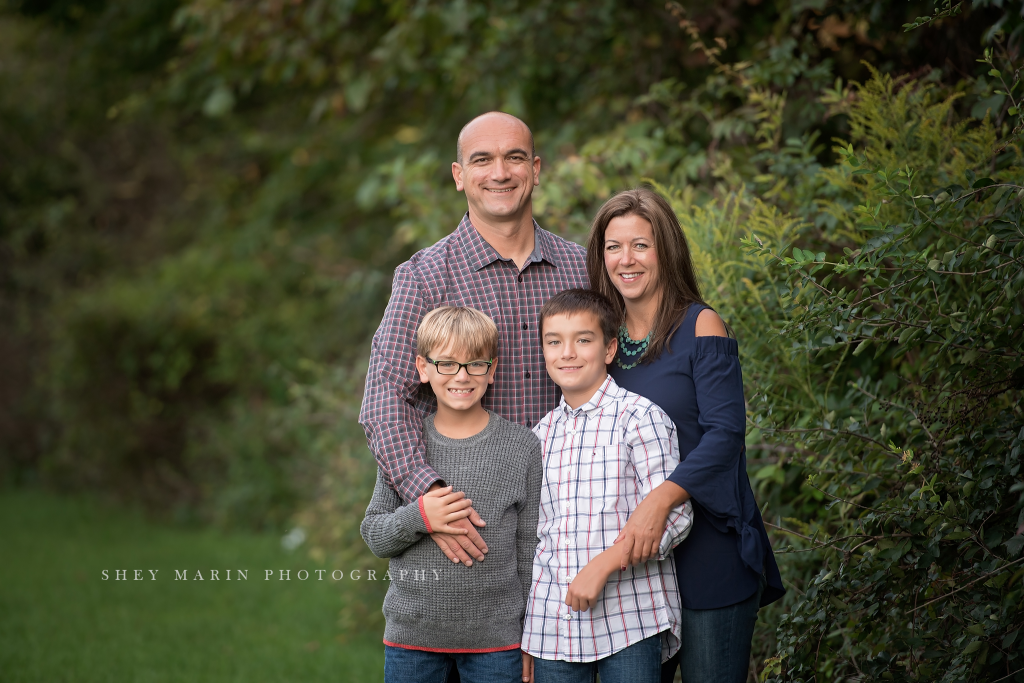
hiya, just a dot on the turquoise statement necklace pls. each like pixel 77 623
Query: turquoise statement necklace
pixel 625 341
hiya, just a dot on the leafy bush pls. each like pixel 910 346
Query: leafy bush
pixel 880 322
pixel 915 431
pixel 196 324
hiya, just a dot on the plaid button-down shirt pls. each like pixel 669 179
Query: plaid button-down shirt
pixel 462 270
pixel 600 461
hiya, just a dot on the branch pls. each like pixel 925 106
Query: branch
pixel 968 585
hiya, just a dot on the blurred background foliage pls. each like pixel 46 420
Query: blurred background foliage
pixel 202 202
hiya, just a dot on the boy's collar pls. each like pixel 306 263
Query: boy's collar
pixel 606 392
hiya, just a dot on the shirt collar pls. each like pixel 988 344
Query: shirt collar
pixel 606 394
pixel 480 254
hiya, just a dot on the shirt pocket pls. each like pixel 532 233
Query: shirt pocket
pixel 606 474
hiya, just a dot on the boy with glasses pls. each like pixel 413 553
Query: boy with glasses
pixel 441 613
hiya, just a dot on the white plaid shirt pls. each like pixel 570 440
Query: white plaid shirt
pixel 600 461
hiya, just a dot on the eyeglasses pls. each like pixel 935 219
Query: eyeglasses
pixel 450 367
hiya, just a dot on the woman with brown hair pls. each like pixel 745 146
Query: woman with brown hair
pixel 674 350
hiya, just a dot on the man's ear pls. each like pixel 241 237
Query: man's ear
pixel 421 366
pixel 613 346
pixel 492 370
pixel 457 175
pixel 536 170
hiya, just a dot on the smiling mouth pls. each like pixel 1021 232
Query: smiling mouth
pixel 461 392
pixel 629 277
pixel 571 368
pixel 501 191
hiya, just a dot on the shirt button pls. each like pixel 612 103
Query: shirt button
pixel 520 278
pixel 529 423
pixel 525 326
pixel 527 375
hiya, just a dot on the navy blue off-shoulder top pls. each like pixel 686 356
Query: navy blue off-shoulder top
pixel 698 382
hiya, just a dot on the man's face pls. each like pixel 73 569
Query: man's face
pixel 497 172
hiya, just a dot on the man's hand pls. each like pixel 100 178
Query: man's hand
pixel 639 540
pixel 442 506
pixel 460 548
pixel 588 585
pixel 527 668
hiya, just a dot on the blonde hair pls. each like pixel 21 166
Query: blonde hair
pixel 470 331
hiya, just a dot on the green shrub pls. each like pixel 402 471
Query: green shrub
pixel 877 300
pixel 915 430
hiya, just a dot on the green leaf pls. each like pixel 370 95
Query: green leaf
pixel 219 102
pixel 838 604
pixel 1009 638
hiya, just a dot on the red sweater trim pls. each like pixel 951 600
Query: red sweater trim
pixel 454 650
pixel 423 514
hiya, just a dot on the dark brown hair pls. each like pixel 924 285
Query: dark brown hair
pixel 572 301
pixel 676 276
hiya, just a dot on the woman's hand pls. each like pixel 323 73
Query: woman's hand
pixel 442 506
pixel 527 668
pixel 639 540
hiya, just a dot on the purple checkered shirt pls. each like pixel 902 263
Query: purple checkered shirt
pixel 600 461
pixel 462 270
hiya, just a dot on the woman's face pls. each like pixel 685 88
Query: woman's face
pixel 631 260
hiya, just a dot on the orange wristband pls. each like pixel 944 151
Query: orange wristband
pixel 423 514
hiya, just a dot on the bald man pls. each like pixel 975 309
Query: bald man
pixel 498 260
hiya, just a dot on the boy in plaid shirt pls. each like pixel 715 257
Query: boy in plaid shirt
pixel 604 450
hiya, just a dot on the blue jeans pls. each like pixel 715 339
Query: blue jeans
pixel 638 663
pixel 416 666
pixel 715 643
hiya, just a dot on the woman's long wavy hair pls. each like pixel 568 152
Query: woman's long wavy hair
pixel 676 276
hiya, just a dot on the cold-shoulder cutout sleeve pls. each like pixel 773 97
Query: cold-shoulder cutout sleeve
pixel 712 325
pixel 711 472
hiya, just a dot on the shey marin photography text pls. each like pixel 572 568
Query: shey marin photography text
pixel 269 575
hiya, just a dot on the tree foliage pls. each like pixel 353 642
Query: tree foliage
pixel 201 203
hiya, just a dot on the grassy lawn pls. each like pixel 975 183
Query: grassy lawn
pixel 60 621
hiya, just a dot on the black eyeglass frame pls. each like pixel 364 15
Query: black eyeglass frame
pixel 461 365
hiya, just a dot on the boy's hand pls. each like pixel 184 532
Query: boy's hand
pixel 527 668
pixel 442 506
pixel 588 585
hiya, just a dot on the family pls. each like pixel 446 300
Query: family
pixel 562 484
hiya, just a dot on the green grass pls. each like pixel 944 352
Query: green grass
pixel 60 621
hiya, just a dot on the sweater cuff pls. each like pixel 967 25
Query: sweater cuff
pixel 410 519
pixel 423 515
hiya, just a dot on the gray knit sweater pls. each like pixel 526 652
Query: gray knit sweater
pixel 433 602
